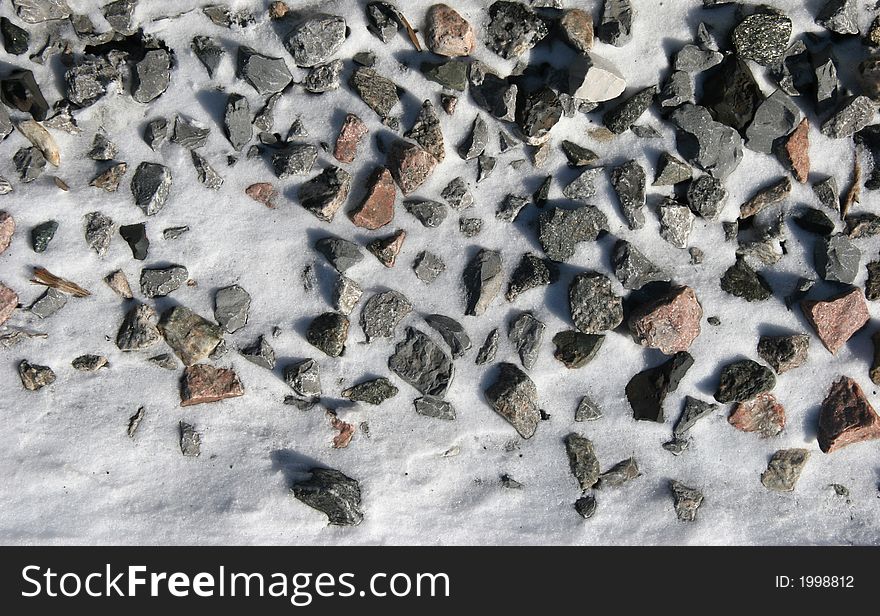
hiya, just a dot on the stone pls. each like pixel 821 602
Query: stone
pixel 815 221
pixel 190 440
pixel 15 40
pixel 41 139
pixel 846 417
pixel 448 33
pixel 622 117
pixel 383 19
pixel 266 74
pixel 231 307
pixel 427 133
pixel 539 112
pixel 670 323
pixel 260 353
pixel 172 233
pixel 837 258
pixel 794 151
pixel 762 414
pixel 595 308
pixel 861 225
pixel 87 81
pixel 869 77
pixel 514 396
pixel 263 192
pixel 513 29
pixel 578 156
pixel 89 363
pixel 422 363
pixel 742 281
pixel 452 333
pixel 208 52
pixel 693 411
pixel 205 172
pixel 872 284
pixel 379 93
pixel 585 506
pixel 577 29
pixel 541 195
pixel 203 383
pixel 119 283
pixel 150 187
pixel 671 171
pixel 531 272
pixel 38 11
pixel 525 334
pixel 492 93
pixel 784 353
pixel 315 39
pixel 6 128
pixel 387 248
pixel 410 165
pixel 156 132
pixel 706 197
pixel 48 303
pixel 827 193
pixel 350 136
pixel 34 376
pixel 489 349
pixel 432 406
pixel 160 281
pixel 616 25
pixel 837 318
pixel 294 159
pixel 743 380
pixel 582 460
pixel 676 222
pixel 98 232
pixel 762 37
pixel 776 117
pixel 475 144
pixel 304 378
pixel 840 16
pixel 451 74
pixel 325 194
pixel 854 114
pixel 633 269
pixel 708 144
pixel 377 208
pixel 265 119
pixel 483 278
pixel 619 474
pixel 695 59
pixel 42 234
pixel 225 17
pixel 328 333
pixel 151 76
pixel 236 121
pixel 874 372
pixel 457 194
pixel 375 391
pixel 784 469
pixel 576 349
pixel 7 229
pixel 138 330
pixel 587 410
pixel 323 77
pixel 333 493
pixel 428 266
pixel 628 181
pixel 102 148
pixel 192 337
pixel 470 227
pixel 136 238
pixel 647 390
pixel 29 162
pixel 430 213
pixel 686 501
pixel 346 294
pixel 19 89
pixel 560 230
pixel 382 312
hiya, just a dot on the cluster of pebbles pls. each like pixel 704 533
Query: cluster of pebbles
pixel 709 95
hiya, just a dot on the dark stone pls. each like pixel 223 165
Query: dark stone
pixel 482 281
pixel 208 52
pixel 42 234
pixel 647 390
pixel 332 493
pixel 136 238
pixel 513 395
pixel 532 272
pixel 731 93
pixel 815 221
pixel 633 269
pixel 525 334
pixel 452 333
pixel 743 380
pixel 619 119
pixel 582 460
pixel 513 29
pixel 762 37
pixel 380 94
pixel 576 349
pixel 742 281
pixel 628 181
pixel 19 89
pixel 489 349
pixel 15 39
pixel 382 312
pixel 559 230
pixel 539 112
pixel 266 74
pixel 708 144
pixel 328 332
pixel 374 391
pixel 616 25
pixel 432 406
pixel 422 363
pixel 685 500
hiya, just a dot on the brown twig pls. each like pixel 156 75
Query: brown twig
pixel 854 194
pixel 44 276
pixel 410 32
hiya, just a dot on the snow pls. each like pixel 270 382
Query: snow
pixel 73 476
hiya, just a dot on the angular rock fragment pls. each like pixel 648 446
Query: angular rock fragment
pixel 616 25
pixel 840 16
pixel 578 156
pixel 619 474
pixel 582 460
pixel 815 221
pixel 846 417
pixel 328 332
pixel 742 281
pixel 774 118
pixel 7 229
pixel 594 79
pixel 743 380
pixel 383 20
pixel 671 171
pixel 236 121
pixel 203 383
pixel 694 59
pixel 15 39
pixel 457 194
pixel 324 194
pixel 492 93
pixel 837 258
pixel 206 173
pixel 386 249
pixel 794 151
pixel 827 193
pixel 304 378
pixel 762 37
pixel 513 395
pixel 192 337
pixel 560 230
pixel 19 89
pixel 525 334
pixel 98 232
pixel 861 225
pixel 48 303
pixel 452 333
pixel 332 493
pixel 294 159
pixel 706 197
pixel 633 269
pixel 628 181
pixel 586 506
pixel 8 303
pixel 647 390
pixel 428 266
pixel 375 391
pixel 708 144
pixel 29 162
pixel 119 283
pixel 837 318
pixel 482 281
pixel 422 363
pixel 323 77
pixel 102 148
pixel 427 133
pixel 231 306
pixel 676 222
pixel 765 197
pixel 513 29
pixel 160 281
pixel 150 186
pixel 432 406
pixel 315 39
pixel 685 500
pixel 784 469
pixel 379 93
pixel 852 116
pixel 42 139
pixel 172 233
pixel 476 141
pixel 382 312
pixel 619 119
pixel 34 376
pixel 539 112
pixel 89 363
pixel 377 208
pixel 577 28
pixel 576 349
pixel 350 135
pixel 410 165
pixel 670 323
pixel 266 74
pixel 470 227
pixel 208 52
pixel 260 353
pixel 151 76
pixel 138 330
pixel 595 308
pixel 156 132
pixel 190 440
pixel 532 272
pixel 693 411
pixel 452 75
pixel 448 33
pixel 429 213
pixel 762 414
pixel 488 350
pixel 784 353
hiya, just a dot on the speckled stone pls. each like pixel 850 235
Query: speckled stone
pixel 670 323
pixel 762 414
pixel 203 383
pixel 837 318
pixel 846 417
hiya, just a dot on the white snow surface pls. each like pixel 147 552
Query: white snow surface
pixel 71 475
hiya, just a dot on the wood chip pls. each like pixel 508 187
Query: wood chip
pixel 45 277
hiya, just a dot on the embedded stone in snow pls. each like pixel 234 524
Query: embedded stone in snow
pixel 776 117
pixel 513 29
pixel 260 353
pixel 304 378
pixel 34 376
pixel 48 303
pixel 452 333
pixel 262 192
pixel 539 112
pixel 633 269
pixel 577 28
pixel 102 148
pixel 861 225
pixel 427 133
pixel 742 281
pixel 852 116
pixel 191 336
pixel 29 162
pixel 315 39
pixel 617 20
pixel 429 213
pixel 151 76
pixel 840 16
pixel 743 380
pixel 138 330
pixel 586 506
pixel 379 93
pixel 583 186
pixel 42 234
pixel 784 353
pixel 872 284
pixel 8 303
pixel 685 500
pixel 619 119
pixel 346 294
pixel 387 248
pixel 647 390
pixel 98 232
pixel 89 363
pixel 190 440
pixel 492 93
pixel 628 181
pixel 762 37
pixel 422 363
pixel 837 318
pixel 670 323
pixel 150 186
pixel 794 151
pixel 837 258
pixel 457 194
pixel 576 349
pixel 594 79
pixel 532 272
pixel 595 308
pixel 15 39
pixel 827 193
pixel 452 74
pixel 328 333
pixel 323 77
pixel 350 135
pixel 587 410
pixel 525 334
pixel 156 132
pixel 846 417
pixel 448 33
pixel 294 159
pixel 203 383
pixel 693 411
pixel 489 349
pixel 19 89
pixel 482 281
pixel 7 229
pixel 382 312
pixel 160 281
pixel 708 144
pixel 514 396
pixel 377 208
pixel 341 253
pixel 578 156
pixel 266 74
pixel 237 121
pixel 784 469
pixel 476 141
pixel 619 474
pixel 676 222
pixel 206 173
pixel 410 165
pixel 333 493
pixel 384 20
pixel 136 238
pixel 432 406
pixel 208 52
pixel 582 460
pixel 706 197
pixel 762 414
pixel 375 391
pixel 325 193
pixel 231 306
pixel 694 59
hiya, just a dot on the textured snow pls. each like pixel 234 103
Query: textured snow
pixel 72 475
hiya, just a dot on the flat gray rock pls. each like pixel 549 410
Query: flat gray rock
pixel 428 266
pixel 583 186
pixel 628 181
pixel 99 231
pixel 560 230
pixel 837 258
pixel 852 116
pixel 325 193
pixel 432 406
pixel 379 93
pixel 151 76
pixel 429 213
pixel 304 378
pixel 207 175
pixel 160 281
pixel 475 144
pixel 266 74
pixel 617 21
pixel 138 330
pixel 452 333
pixel 150 186
pixel 208 52
pixel 514 396
pixel 489 349
pixel 334 494
pixel 706 196
pixel 513 29
pixel 237 121
pixel 776 117
pixel 582 460
pixel 710 145
pixel 671 171
pixel 784 469
pixel 260 353
pixel 382 312
pixel 231 307
pixel 483 279
pixel 315 39
pixel 48 303
pixel 294 159
pixel 422 363
pixel 633 269
pixel 525 334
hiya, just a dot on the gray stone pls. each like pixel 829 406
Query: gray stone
pixel 595 308
pixel 671 171
pixel 513 29
pixel 837 258
pixel 383 20
pixel 231 307
pixel 706 197
pixel 510 208
pixel 260 353
pixel 492 93
pixel 584 186
pixel 426 131
pixel 150 186
pixel 294 159
pixel 98 232
pixel 304 378
pixel 784 469
pixel 42 234
pixel 136 238
pixel 587 410
pixel 428 266
pixel 119 15
pixel 452 333
pixel 451 74
pixel 38 11
pixel 429 213
pixel 708 144
pixel 382 312
pixel 743 380
pixel 34 376
pixel 151 76
pixel 225 17
pixel 160 281
pixel 29 162
pixel 578 156
pixel 525 334
pixel 89 363
pixel 513 395
pixel 483 278
pixel 619 119
pixel 138 330
pixel 422 363
pixel 48 303
pixel 633 269
pixel 333 493
pixel 647 390
pixel 840 16
pixel 616 25
pixel 827 193
pixel 207 175
pixel 677 90
pixel 375 391
pixel 102 148
pixel 328 333
pixel 190 440
pixel 854 114
pixel 237 121
pixel 192 337
pixel 776 117
pixel 315 39
pixel 380 94
pixel 489 349
pixel 693 59
pixel 457 194
pixel 628 181
pixel 172 233
pixel 470 227
pixel 324 194
pixel 538 113
pixel 685 500
pixel 676 222
pixel 188 133
pixel 432 406
pixel 208 52
pixel 693 411
pixel 531 272
pixel 164 360
pixel 476 141
pixel 265 74
pixel 576 349
pixel 594 79
pixel 762 37
pixel 88 80
pixel 346 294
pixel 265 119
pixel 156 132
pixel 619 474
pixel 582 460
pixel 586 506
pixel 742 281
pixel 323 77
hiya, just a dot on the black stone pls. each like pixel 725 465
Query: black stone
pixel 334 494
pixel 136 238
pixel 743 380
pixel 647 390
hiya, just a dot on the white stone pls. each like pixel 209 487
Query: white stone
pixel 594 79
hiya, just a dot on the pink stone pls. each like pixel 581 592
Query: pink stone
pixel 410 165
pixel 8 303
pixel 448 33
pixel 577 26
pixel 670 323
pixel 838 318
pixel 262 192
pixel 795 152
pixel 846 417
pixel 7 228
pixel 762 414
pixel 386 249
pixel 204 383
pixel 350 135
pixel 377 208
